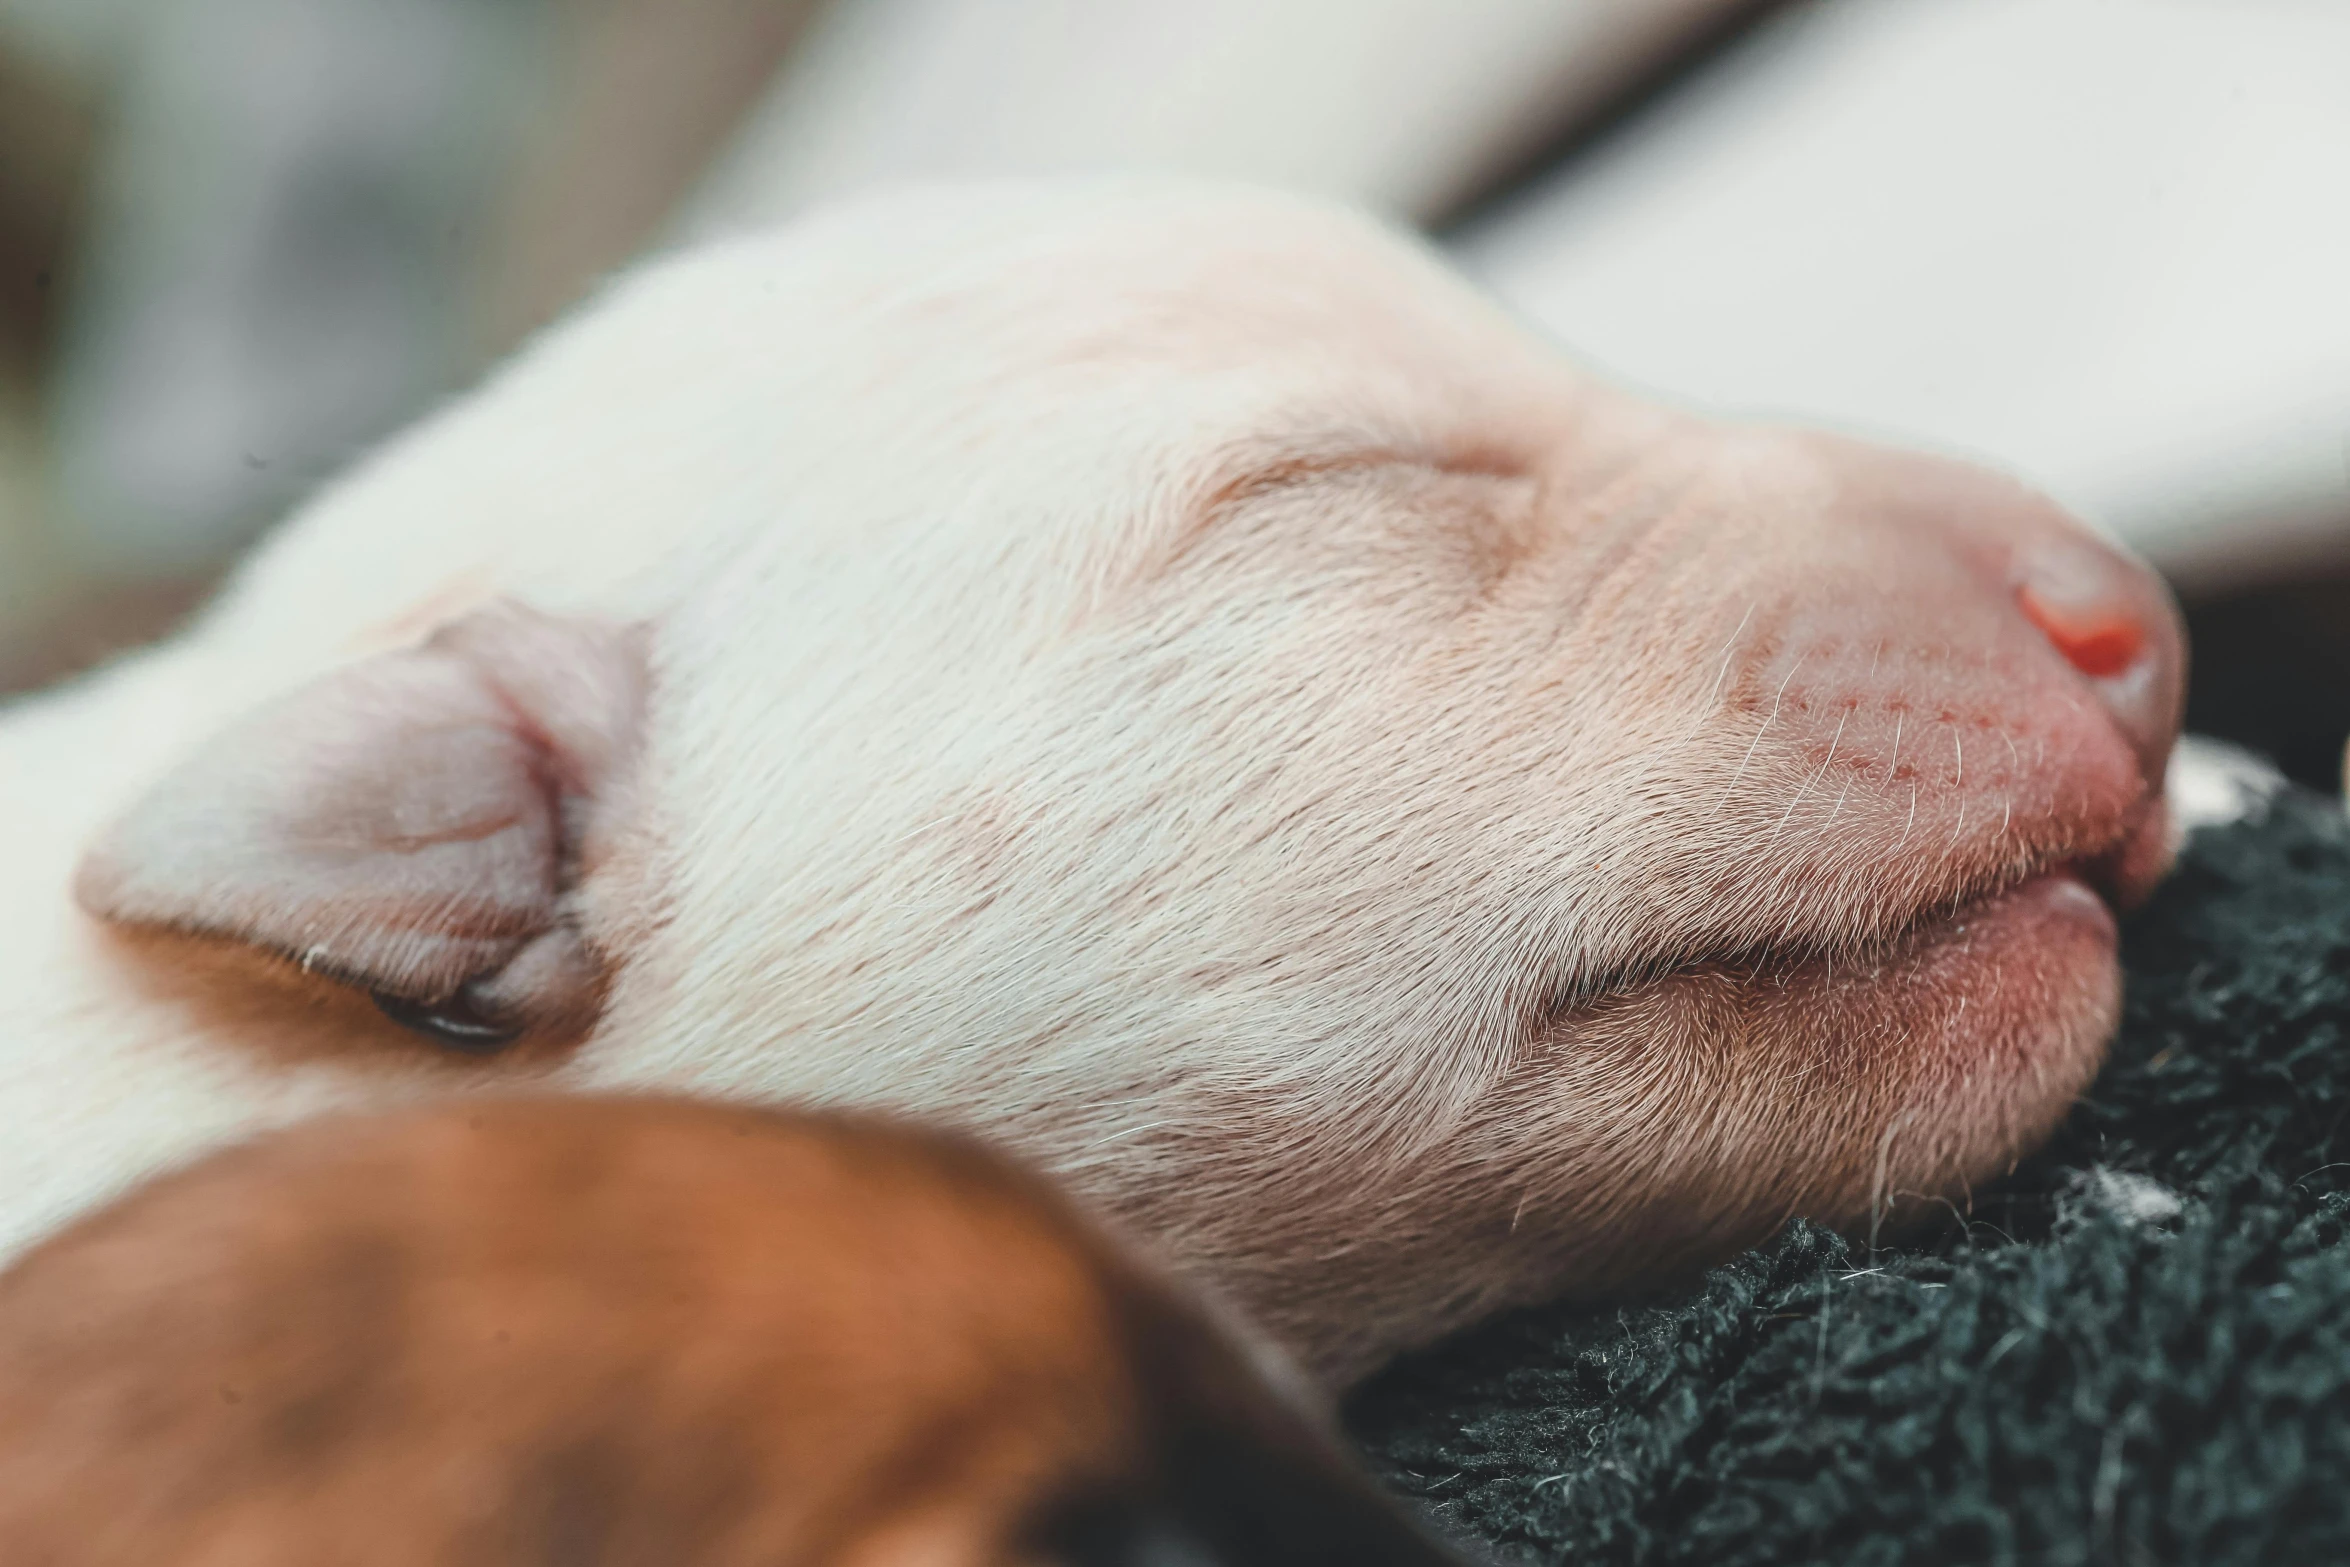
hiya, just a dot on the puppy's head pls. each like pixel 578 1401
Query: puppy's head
pixel 1178 681
pixel 637 1331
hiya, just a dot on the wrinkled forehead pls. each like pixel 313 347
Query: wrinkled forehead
pixel 1051 340
pixel 877 397
pixel 1143 278
pixel 1084 370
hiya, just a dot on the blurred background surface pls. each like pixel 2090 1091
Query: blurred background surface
pixel 2103 243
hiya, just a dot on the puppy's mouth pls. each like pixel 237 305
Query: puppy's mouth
pixel 2127 872
pixel 2091 888
pixel 2101 884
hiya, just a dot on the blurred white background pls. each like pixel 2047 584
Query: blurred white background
pixel 2103 243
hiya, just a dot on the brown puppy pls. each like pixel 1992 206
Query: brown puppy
pixel 620 1331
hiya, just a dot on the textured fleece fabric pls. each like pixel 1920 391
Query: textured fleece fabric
pixel 2136 1350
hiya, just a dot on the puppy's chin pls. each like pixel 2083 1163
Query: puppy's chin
pixel 1861 1090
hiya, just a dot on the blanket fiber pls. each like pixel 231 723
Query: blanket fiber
pixel 2137 1351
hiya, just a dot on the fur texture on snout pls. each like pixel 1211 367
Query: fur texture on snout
pixel 1168 678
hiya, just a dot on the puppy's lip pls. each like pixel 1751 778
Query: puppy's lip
pixel 2073 892
pixel 2116 875
pixel 2127 874
pixel 2115 879
pixel 2066 893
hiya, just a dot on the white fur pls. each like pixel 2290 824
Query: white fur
pixel 1170 678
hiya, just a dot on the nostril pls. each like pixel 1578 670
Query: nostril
pixel 2112 620
pixel 2087 610
pixel 2099 640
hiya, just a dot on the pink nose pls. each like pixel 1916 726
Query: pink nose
pixel 2025 569
pixel 2114 621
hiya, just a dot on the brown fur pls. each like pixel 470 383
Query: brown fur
pixel 614 1331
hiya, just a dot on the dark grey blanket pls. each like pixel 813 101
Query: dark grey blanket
pixel 2137 1351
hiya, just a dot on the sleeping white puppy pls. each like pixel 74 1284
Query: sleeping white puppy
pixel 1167 678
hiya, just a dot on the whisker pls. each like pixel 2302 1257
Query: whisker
pixel 1769 719
pixel 1728 648
pixel 1837 809
pixel 1825 763
pixel 1958 785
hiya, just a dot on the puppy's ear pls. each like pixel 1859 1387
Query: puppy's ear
pixel 409 825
